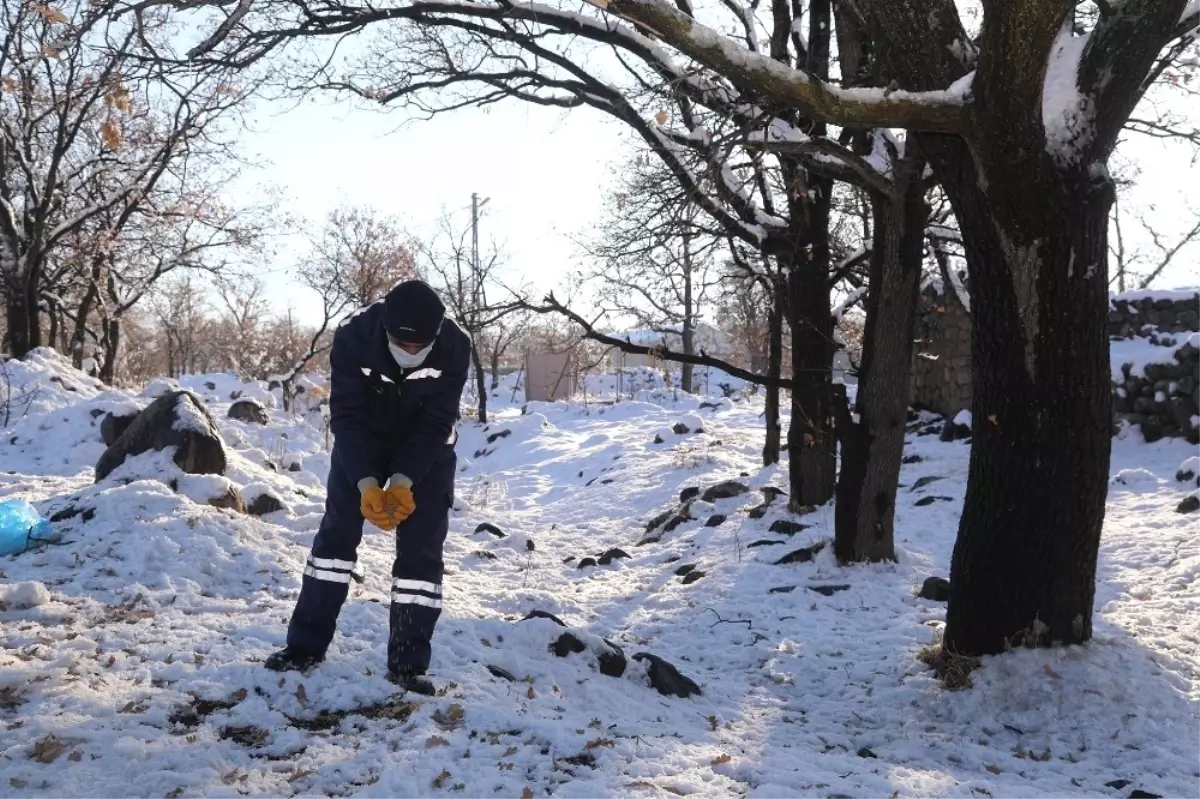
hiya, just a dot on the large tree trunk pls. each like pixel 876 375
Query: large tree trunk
pixel 774 370
pixel 112 348
pixel 1024 565
pixel 495 367
pixel 22 318
pixel 872 446
pixel 480 381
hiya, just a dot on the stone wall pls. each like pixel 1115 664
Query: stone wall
pixel 941 366
pixel 1148 313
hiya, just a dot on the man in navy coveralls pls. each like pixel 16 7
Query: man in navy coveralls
pixel 398 370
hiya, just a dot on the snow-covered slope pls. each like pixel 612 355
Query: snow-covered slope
pixel 137 671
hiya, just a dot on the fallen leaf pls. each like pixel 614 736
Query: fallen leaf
pixel 1044 757
pixel 175 794
pixel 599 742
pixel 301 696
pixel 992 419
pixel 530 694
pixel 440 780
pixel 993 769
pixel 509 752
pixel 449 719
pixel 239 695
pixel 661 117
pixel 718 760
pixel 1051 672
pixel 75 756
pixel 48 749
pixel 16 783
pixel 132 707
pixel 435 740
pixel 526 794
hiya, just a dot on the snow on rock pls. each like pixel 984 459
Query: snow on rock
pixel 147 658
pixel 160 388
pixel 963 418
pixel 22 596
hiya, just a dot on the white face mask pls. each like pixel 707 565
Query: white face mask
pixel 408 360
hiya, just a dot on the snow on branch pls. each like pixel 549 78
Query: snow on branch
pixel 942 111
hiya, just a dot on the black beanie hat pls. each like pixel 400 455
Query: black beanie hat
pixel 413 312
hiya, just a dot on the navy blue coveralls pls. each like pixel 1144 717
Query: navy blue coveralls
pixel 385 421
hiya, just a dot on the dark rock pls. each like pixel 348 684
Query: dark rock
pixel 112 427
pixel 658 520
pixel 724 490
pixel 692 576
pixel 764 543
pixel 771 493
pixel 707 405
pixel 691 492
pixel 758 511
pixel 96 413
pixel 199 448
pixel 87 514
pixel 210 385
pixel 955 432
pixel 295 466
pixel 803 555
pixel 567 644
pixel 233 395
pixel 530 546
pixel 787 527
pixel 488 527
pixel 924 481
pixel 501 673
pixel 499 434
pixel 541 614
pixel 658 439
pixel 612 554
pixel 782 589
pixel 680 429
pixel 250 411
pixel 865 752
pixel 1138 793
pixel 682 570
pixel 936 589
pixel 675 522
pixel 483 553
pixel 1152 430
pixel 587 563
pixel 666 679
pixel 1118 784
pixel 264 504
pixel 827 590
pixel 1190 504
pixel 611 660
pixel 923 501
pixel 715 521
pixel 482 453
pixel 1184 475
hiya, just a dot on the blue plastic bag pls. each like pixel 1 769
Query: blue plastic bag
pixel 20 526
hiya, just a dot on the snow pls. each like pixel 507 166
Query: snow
pixel 1067 115
pixel 159 598
pixel 1136 353
pixel 23 596
pixel 1173 295
pixel 963 418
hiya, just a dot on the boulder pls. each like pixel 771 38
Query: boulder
pixel 693 576
pixel 250 411
pixel 112 426
pixel 488 527
pixel 263 504
pixel 680 429
pixel 936 589
pixel 715 521
pixel 178 419
pixel 787 527
pixel 613 554
pixel 724 490
pixel 1190 504
pixel 665 678
pixel 802 555
pixel 689 493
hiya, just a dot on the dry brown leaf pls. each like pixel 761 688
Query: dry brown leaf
pixel 175 794
pixel 51 15
pixel 435 740
pixel 9 84
pixel 51 51
pixel 527 794
pixel 231 777
pixel 992 419
pixel 661 117
pixel 132 707
pixel 1019 752
pixel 301 696
pixel 1051 672
pixel 509 752
pixel 599 742
pixel 723 758
pixel 449 719
pixel 110 134
pixel 440 780
pixel 1044 757
pixel 486 642
pixel 75 756
pixel 48 749
pixel 993 769
pixel 13 782
pixel 530 694
pixel 239 695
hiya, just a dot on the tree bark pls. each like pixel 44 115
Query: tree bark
pixel 112 346
pixel 22 317
pixel 1024 565
pixel 773 443
pixel 873 446
pixel 689 315
pixel 480 381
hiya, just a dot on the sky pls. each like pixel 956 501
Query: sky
pixel 545 172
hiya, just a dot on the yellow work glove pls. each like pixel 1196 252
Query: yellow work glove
pixel 373 504
pixel 399 499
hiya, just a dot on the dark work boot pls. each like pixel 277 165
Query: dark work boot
pixel 412 680
pixel 292 659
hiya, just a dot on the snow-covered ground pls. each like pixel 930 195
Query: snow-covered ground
pixel 135 669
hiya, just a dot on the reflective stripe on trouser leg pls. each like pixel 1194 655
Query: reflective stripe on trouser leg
pixel 417 572
pixel 327 573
